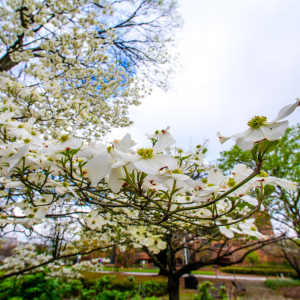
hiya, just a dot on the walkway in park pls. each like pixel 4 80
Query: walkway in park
pixel 226 277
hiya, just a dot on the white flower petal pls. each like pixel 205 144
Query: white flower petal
pixel 72 143
pixel 227 232
pixel 215 176
pixel 97 168
pixel 286 184
pixel 180 177
pixel 162 245
pixel 243 134
pixel 248 143
pixel 153 165
pixel 250 200
pixel 123 144
pixel 118 164
pixel 275 130
pixel 165 140
pixel 125 156
pixel 286 111
pixel 114 181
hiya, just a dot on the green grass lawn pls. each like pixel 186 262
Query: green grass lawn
pixel 138 279
pixel 112 269
pixel 275 284
pixel 203 272
pixel 132 270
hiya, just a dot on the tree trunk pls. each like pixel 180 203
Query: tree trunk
pixel 173 287
pixel 162 256
pixel 6 63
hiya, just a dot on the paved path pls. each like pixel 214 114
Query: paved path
pixel 228 277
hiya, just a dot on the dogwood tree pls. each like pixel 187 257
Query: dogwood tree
pixel 142 197
pixel 73 66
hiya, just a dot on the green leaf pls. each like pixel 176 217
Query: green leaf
pixel 257 191
pixel 254 152
pixel 269 189
pixel 268 146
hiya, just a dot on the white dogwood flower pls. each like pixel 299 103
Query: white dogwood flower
pixel 261 129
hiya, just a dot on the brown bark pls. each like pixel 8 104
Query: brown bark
pixel 173 287
pixel 6 63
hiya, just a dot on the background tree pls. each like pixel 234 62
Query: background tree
pixel 282 206
pixel 253 258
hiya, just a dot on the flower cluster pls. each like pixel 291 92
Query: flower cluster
pixel 121 193
pixel 26 257
pixel 74 64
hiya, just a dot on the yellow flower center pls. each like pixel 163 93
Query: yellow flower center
pixel 204 180
pixel 231 182
pixel 210 184
pixel 27 141
pixel 145 153
pixel 64 138
pixel 262 174
pixel 176 171
pixel 257 121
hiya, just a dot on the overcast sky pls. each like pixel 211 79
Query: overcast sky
pixel 239 58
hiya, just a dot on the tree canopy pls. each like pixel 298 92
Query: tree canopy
pixel 81 64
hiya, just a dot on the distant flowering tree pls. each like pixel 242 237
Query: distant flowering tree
pixel 148 198
pixel 76 66
pixel 253 258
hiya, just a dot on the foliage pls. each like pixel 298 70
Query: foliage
pixel 105 288
pixel 150 288
pixel 205 290
pixel 252 258
pixel 275 284
pixel 36 286
pixel 259 271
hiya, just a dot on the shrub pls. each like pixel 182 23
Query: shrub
pixel 122 285
pixel 113 295
pixel 276 284
pixel 258 271
pixel 205 290
pixel 153 288
pixel 37 287
pixel 271 265
pixel 253 258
